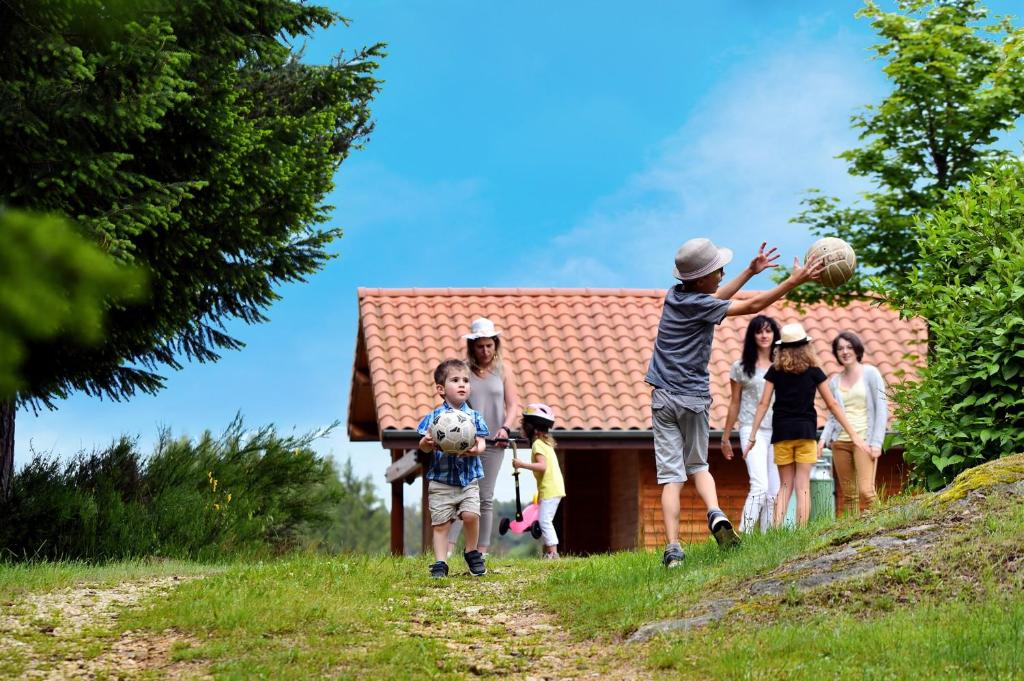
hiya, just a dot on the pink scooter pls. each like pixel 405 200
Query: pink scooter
pixel 526 520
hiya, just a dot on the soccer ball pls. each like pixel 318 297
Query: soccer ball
pixel 453 431
pixel 839 259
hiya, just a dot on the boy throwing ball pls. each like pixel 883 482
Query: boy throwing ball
pixel 678 373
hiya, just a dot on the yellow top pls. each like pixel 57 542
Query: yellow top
pixel 855 405
pixel 549 483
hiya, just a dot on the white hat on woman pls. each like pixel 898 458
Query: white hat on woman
pixel 482 328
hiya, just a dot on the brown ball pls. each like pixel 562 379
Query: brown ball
pixel 839 258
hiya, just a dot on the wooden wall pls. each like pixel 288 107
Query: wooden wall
pixel 732 483
pixel 613 499
pixel 601 511
pixel 730 480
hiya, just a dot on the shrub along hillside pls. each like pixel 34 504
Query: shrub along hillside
pixel 241 494
pixel 968 407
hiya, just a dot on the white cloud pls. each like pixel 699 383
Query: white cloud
pixel 735 171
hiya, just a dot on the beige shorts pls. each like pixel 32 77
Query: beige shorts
pixel 448 502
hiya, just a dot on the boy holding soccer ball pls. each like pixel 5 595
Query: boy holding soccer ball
pixel 453 490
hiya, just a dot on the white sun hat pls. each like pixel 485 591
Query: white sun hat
pixel 481 328
pixel 698 258
pixel 793 335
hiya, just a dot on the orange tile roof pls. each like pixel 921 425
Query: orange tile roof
pixel 584 351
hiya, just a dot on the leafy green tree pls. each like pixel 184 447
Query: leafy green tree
pixel 186 138
pixel 54 283
pixel 968 407
pixel 957 83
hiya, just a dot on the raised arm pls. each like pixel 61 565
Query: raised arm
pixel 801 274
pixel 762 261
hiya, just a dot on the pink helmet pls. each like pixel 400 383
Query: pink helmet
pixel 541 411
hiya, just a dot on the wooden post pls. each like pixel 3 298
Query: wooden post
pixel 426 529
pixel 397 512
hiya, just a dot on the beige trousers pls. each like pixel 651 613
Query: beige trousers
pixel 855 475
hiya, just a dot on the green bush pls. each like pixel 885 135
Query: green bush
pixel 249 493
pixel 968 407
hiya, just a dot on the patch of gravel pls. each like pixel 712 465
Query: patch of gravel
pixel 67 615
pixel 497 630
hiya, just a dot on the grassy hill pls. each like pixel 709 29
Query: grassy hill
pixel 926 587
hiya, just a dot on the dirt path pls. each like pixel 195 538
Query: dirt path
pixel 64 634
pixel 492 628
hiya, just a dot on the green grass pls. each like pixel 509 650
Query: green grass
pixel 306 616
pixel 953 640
pixel 952 611
pixel 43 576
pixel 613 594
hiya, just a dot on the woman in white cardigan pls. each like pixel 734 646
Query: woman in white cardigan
pixel 860 390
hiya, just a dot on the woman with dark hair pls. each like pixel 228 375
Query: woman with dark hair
pixel 860 390
pixel 493 394
pixel 747 380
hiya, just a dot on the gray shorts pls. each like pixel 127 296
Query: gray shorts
pixel 448 502
pixel 680 425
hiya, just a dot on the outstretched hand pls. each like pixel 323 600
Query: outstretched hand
pixel 809 271
pixel 763 260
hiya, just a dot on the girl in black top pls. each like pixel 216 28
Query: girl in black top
pixel 793 379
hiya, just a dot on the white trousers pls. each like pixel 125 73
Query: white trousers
pixel 759 509
pixel 548 507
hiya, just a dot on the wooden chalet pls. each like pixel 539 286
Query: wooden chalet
pixel 585 352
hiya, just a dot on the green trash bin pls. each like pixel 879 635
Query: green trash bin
pixel 823 489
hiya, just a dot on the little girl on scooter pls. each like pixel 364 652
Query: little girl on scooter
pixel 537 422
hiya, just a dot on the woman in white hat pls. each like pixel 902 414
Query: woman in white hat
pixel 793 380
pixel 493 394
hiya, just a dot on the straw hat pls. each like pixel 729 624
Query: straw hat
pixel 698 258
pixel 793 335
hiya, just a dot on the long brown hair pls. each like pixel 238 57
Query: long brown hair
pixel 796 359
pixel 497 366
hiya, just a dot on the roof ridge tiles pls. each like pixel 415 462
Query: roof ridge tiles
pixel 365 292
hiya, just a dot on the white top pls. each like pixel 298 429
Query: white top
pixel 753 388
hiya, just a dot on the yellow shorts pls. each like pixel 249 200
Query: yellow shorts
pixel 795 451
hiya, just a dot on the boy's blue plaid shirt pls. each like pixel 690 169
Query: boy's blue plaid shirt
pixel 458 471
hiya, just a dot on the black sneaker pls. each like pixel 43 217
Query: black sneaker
pixel 721 530
pixel 439 570
pixel 673 557
pixel 475 561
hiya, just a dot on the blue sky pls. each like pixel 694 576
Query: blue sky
pixel 531 144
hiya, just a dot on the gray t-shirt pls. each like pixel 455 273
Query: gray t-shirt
pixel 682 349
pixel 752 389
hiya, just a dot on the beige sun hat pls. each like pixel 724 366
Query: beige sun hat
pixel 698 258
pixel 793 335
pixel 481 328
